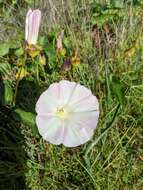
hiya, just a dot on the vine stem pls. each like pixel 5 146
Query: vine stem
pixel 16 88
pixel 18 81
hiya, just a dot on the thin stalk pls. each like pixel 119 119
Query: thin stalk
pixel 16 88
pixel 18 81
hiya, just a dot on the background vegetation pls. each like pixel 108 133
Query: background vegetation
pixel 108 36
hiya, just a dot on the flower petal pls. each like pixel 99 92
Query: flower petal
pixel 34 19
pixel 82 100
pixel 49 100
pixel 67 89
pixel 27 23
pixel 51 129
pixel 80 128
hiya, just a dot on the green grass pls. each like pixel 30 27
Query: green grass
pixel 112 67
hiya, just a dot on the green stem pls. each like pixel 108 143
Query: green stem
pixel 16 88
pixel 37 71
pixel 18 81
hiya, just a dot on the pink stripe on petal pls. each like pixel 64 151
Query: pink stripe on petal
pixel 67 89
pixel 74 136
pixel 43 123
pixel 55 133
pixel 85 119
pixel 86 104
pixel 34 20
pixel 37 20
pixel 27 23
pixel 29 28
pixel 34 32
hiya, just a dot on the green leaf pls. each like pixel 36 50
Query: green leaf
pixel 4 49
pixel 5 68
pixel 6 93
pixel 51 54
pixel 27 118
pixel 29 2
pixel 117 3
pixel 118 90
pixel 15 43
pixel 103 19
pixel 19 52
pixel 43 41
pixel 67 42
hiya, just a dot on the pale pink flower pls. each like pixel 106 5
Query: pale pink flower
pixel 67 113
pixel 32 24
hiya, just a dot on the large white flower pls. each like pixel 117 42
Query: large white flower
pixel 67 113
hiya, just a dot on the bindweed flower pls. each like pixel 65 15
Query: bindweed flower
pixel 67 113
pixel 60 49
pixel 33 19
pixel 32 25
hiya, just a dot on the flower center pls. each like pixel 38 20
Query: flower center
pixel 61 113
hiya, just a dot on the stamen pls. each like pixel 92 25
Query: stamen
pixel 61 113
